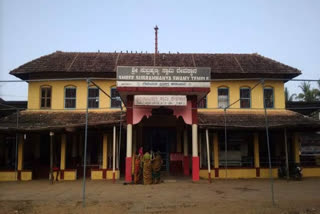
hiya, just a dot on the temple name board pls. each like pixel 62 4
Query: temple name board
pixel 144 76
pixel 160 100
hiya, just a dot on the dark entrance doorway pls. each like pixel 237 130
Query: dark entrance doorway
pixel 162 140
pixel 162 132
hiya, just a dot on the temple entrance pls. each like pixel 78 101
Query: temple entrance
pixel 163 132
pixel 160 140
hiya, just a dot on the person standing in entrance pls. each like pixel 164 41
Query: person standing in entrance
pixel 156 167
pixel 147 169
pixel 137 167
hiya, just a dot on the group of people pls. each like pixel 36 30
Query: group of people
pixel 147 167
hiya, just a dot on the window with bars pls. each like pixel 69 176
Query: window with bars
pixel 245 98
pixel 93 97
pixel 70 96
pixel 45 97
pixel 203 103
pixel 268 97
pixel 223 97
pixel 115 98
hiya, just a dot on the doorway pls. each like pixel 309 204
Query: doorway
pixel 161 140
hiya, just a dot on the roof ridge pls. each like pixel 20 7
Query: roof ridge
pixel 149 53
pixel 104 63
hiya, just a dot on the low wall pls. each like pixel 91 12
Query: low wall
pixel 8 176
pixel 68 175
pixel 98 174
pixel 237 173
pixel 234 173
pixel 310 172
pixel 24 175
pixel 264 173
pixel 252 173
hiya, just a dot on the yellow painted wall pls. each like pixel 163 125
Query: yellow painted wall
pixel 8 176
pixel 231 173
pixel 203 173
pixel 63 152
pixel 234 93
pixel 20 152
pixel 256 150
pixel 12 176
pixel 237 173
pixel 96 175
pixel 58 93
pixel 310 172
pixel 105 151
pixel 256 93
pixel 241 173
pixel 109 175
pixel 26 175
pixel 216 150
pixel 264 173
pixel 70 175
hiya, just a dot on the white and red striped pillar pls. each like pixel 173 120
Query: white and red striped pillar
pixel 128 176
pixel 195 157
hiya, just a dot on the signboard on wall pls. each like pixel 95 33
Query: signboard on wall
pixel 147 76
pixel 160 100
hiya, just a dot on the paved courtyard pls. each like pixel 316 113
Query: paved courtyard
pixel 182 196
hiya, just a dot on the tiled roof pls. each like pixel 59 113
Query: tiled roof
pixel 91 64
pixel 256 120
pixel 57 120
pixel 66 120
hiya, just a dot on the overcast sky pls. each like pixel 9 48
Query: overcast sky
pixel 287 31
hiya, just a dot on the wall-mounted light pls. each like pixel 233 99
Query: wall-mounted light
pixel 51 133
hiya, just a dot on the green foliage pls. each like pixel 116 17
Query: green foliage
pixel 288 96
pixel 309 94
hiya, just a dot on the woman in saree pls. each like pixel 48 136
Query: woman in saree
pixel 137 171
pixel 156 167
pixel 147 169
pixel 137 167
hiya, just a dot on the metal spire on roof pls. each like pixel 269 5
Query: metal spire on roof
pixel 156 44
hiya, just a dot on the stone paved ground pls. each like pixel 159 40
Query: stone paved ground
pixel 183 196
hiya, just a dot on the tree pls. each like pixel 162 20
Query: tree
pixel 288 96
pixel 308 94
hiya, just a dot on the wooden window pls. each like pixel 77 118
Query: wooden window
pixel 70 96
pixel 93 97
pixel 245 97
pixel 268 97
pixel 115 98
pixel 223 97
pixel 203 103
pixel 45 97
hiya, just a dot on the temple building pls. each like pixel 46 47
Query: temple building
pixel 166 102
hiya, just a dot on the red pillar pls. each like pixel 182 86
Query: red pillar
pixel 195 157
pixel 128 176
pixel 195 169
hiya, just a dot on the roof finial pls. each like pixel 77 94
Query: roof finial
pixel 156 39
pixel 156 43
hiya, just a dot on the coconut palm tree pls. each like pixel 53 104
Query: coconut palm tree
pixel 308 94
pixel 288 96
